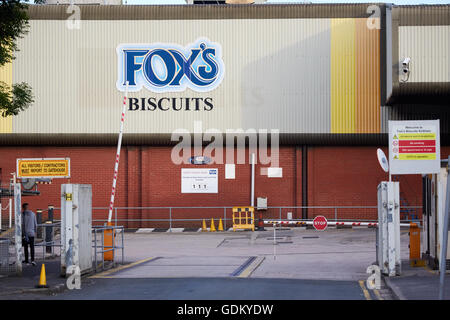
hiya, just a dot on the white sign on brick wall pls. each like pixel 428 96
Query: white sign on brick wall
pixel 199 180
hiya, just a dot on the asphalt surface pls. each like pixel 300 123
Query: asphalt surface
pixel 300 265
pixel 208 289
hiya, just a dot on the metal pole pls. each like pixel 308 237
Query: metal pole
pixel 119 143
pixel 335 214
pixel 252 200
pixel 280 213
pixel 122 244
pixel 1 216
pixel 10 213
pixel 103 250
pixel 274 242
pixel 114 248
pixel 95 248
pixel 18 226
pixel 170 219
pixel 225 218
pixel 115 224
pixel 443 258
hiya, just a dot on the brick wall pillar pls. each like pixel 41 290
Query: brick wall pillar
pixel 134 185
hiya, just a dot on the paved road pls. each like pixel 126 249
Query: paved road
pixel 304 264
pixel 213 289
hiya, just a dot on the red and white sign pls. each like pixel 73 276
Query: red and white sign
pixel 320 223
pixel 414 147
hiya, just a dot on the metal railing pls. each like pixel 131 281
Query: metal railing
pixel 185 216
pixel 48 237
pixel 102 249
pixel 7 208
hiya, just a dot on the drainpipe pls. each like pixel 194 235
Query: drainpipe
pixel 304 181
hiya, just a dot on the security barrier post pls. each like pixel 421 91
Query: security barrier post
pixel 39 221
pixel 50 213
pixel 108 243
pixel 414 246
pixel 48 236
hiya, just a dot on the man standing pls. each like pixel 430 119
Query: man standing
pixel 29 230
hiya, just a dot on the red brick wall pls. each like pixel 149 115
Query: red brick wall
pixel 89 165
pixel 349 176
pixel 337 176
pixel 148 178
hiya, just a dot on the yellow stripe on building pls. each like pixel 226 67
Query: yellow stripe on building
pixel 6 76
pixel 343 75
pixel 367 78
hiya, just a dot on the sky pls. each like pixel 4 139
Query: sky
pixel 398 2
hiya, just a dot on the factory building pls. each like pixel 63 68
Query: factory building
pixel 315 83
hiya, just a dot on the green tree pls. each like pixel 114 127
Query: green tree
pixel 13 26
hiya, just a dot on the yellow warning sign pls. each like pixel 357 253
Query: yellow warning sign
pixel 43 168
pixel 417 136
pixel 417 156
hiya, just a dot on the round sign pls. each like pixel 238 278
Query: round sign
pixel 320 223
pixel 382 160
pixel 199 160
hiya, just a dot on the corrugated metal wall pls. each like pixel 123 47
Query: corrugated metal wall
pixel 286 74
pixel 421 33
pixel 429 50
pixel 6 78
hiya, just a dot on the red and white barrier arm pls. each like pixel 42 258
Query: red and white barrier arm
pixel 330 223
pixel 119 144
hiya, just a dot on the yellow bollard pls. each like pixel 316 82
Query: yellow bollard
pixel 108 243
pixel 42 279
pixel 213 228
pixel 220 225
pixel 204 226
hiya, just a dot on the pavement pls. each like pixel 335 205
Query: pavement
pixel 300 264
pixel 15 285
pixel 417 283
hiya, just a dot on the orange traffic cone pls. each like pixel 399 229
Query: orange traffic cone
pixel 204 226
pixel 42 279
pixel 213 227
pixel 220 228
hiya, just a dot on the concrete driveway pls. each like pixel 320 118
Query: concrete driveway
pixel 298 253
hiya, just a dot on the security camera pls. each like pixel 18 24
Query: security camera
pixel 405 69
pixel 405 64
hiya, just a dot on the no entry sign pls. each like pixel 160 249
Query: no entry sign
pixel 320 223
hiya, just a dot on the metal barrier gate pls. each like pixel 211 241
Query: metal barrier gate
pixel 243 218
